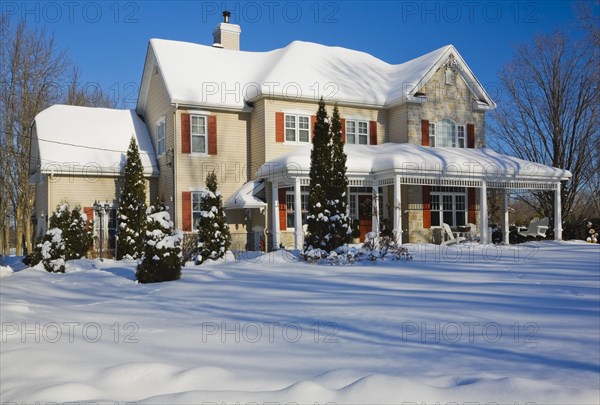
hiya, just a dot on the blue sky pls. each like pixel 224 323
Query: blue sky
pixel 108 40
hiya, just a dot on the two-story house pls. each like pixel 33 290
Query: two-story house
pixel 414 134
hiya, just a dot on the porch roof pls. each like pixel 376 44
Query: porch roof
pixel 245 196
pixel 423 165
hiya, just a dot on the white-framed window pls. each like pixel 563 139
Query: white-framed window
pixel 160 136
pixel 357 132
pixel 448 205
pixel 198 133
pixel 446 134
pixel 297 128
pixel 196 207
pixel 290 206
pixel 460 131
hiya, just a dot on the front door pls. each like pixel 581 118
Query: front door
pixel 365 215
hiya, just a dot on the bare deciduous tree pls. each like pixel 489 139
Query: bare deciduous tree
pixel 550 112
pixel 32 78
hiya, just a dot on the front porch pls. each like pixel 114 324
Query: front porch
pixel 394 174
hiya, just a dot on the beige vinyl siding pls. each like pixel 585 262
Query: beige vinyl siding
pixel 83 191
pixel 397 124
pixel 230 162
pixel 275 149
pixel 159 105
pixel 258 138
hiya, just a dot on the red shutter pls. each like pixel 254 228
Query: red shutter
pixel 282 210
pixel 373 132
pixel 426 207
pixel 186 146
pixel 471 198
pixel 424 132
pixel 186 211
pixel 89 212
pixel 343 121
pixel 313 120
pixel 279 127
pixel 212 135
pixel 470 135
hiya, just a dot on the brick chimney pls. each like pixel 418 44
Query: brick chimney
pixel 226 35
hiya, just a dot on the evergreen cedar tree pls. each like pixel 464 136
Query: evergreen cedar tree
pixel 214 238
pixel 327 221
pixel 131 215
pixel 161 260
pixel 69 237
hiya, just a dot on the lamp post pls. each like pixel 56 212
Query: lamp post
pixel 102 210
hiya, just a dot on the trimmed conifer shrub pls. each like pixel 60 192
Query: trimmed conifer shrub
pixel 52 251
pixel 214 237
pixel 131 215
pixel 161 260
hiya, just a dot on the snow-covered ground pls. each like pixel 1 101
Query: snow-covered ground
pixel 461 324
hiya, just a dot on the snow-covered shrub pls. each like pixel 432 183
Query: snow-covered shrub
pixel 214 237
pixel 162 257
pixel 78 236
pixel 52 251
pixel 131 215
pixel 374 248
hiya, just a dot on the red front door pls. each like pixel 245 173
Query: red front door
pixel 365 215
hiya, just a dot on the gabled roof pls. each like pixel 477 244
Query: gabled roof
pixel 89 141
pixel 212 77
pixel 421 162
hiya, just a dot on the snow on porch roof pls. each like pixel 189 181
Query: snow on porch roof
pixel 245 197
pixel 422 162
pixel 92 141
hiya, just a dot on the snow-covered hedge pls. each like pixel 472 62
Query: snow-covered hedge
pixel 374 248
pixel 52 251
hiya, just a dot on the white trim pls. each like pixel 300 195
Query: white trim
pixel 198 112
pixel 356 131
pixel 296 128
pixel 200 135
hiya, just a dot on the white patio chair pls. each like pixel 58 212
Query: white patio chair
pixel 537 228
pixel 450 235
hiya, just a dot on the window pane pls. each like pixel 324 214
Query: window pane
pixel 303 135
pixel 460 202
pixel 447 202
pixel 435 218
pixel 303 122
pixel 196 201
pixel 448 218
pixel 362 133
pixel 198 125
pixel 350 131
pixel 435 202
pixel 460 218
pixel 198 144
pixel 461 142
pixel 290 135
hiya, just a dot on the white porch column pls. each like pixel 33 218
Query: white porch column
pixel 557 213
pixel 483 212
pixel 275 216
pixel 298 231
pixel 397 210
pixel 506 220
pixel 375 210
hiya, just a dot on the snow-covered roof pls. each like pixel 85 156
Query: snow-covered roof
pixel 89 141
pixel 245 196
pixel 212 77
pixel 422 162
